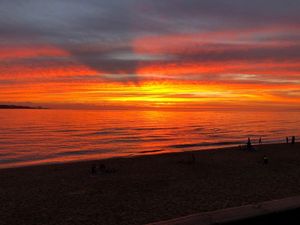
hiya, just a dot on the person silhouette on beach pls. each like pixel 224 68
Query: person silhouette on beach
pixel 287 139
pixel 293 139
pixel 249 145
pixel 260 141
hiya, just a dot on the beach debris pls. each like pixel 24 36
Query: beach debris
pixel 190 160
pixel 265 160
pixel 102 167
pixel 193 159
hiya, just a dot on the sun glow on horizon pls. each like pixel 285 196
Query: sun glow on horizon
pixel 154 94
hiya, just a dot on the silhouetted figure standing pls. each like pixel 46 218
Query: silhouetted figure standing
pixel 293 139
pixel 249 145
pixel 260 141
pixel 266 160
pixel 287 139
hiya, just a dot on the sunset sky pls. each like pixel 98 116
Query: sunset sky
pixel 189 54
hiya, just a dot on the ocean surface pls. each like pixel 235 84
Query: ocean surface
pixel 49 136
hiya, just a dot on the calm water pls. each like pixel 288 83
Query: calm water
pixel 43 136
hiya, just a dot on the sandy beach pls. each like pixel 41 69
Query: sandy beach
pixel 146 189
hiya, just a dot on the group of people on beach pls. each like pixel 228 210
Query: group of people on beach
pixel 250 146
pixel 101 168
pixel 265 158
pixel 293 140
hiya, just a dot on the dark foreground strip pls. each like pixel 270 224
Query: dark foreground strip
pixel 290 217
pixel 275 212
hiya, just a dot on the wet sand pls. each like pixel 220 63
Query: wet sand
pixel 146 189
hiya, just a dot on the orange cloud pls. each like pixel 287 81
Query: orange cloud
pixel 238 70
pixel 16 52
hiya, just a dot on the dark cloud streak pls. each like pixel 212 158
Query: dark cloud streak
pixel 92 30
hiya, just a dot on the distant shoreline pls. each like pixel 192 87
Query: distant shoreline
pixel 20 107
pixel 215 149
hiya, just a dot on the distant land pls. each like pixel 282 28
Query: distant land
pixel 19 107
